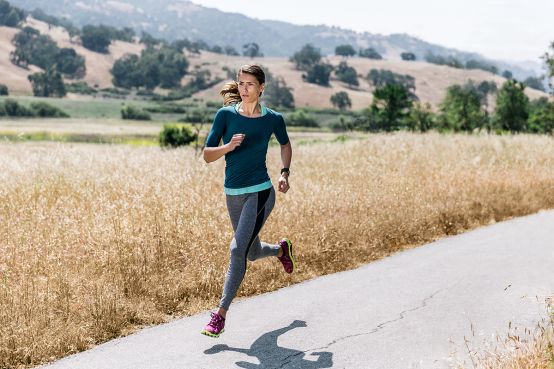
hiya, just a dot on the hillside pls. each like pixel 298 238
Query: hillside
pixel 431 80
pixel 177 19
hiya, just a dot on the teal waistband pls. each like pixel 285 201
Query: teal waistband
pixel 250 189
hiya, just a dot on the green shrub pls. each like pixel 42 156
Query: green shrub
pixel 80 88
pixel 4 90
pixel 14 109
pixel 174 135
pixel 132 112
pixel 198 116
pixel 301 119
pixel 42 109
pixel 166 109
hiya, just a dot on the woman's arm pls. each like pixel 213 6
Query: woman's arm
pixel 214 153
pixel 286 157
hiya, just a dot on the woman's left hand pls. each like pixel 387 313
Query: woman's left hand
pixel 284 184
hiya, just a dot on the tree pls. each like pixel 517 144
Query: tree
pixel 370 53
pixel 70 63
pixel 347 74
pixel 96 38
pixel 345 50
pixel 277 93
pixel 252 50
pixel 507 74
pixel 126 72
pixel 4 90
pixel 163 67
pixel 541 116
pixel 49 83
pixel 512 106
pixel 461 109
pixel 487 87
pixel 382 77
pixel 230 50
pixel 408 56
pixel 148 40
pixel 10 16
pixel 534 82
pixel 449 60
pixel 391 104
pixel 319 74
pixel 341 100
pixel 306 58
pixel 477 64
pixel 421 117
pixel 549 60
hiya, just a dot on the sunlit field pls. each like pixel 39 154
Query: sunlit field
pixel 97 240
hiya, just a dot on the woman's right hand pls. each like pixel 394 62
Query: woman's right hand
pixel 235 142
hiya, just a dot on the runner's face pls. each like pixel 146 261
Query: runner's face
pixel 249 88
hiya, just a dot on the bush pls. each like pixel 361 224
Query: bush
pixel 132 112
pixel 370 53
pixel 4 90
pixel 408 56
pixel 13 109
pixel 300 118
pixel 80 88
pixel 198 116
pixel 43 110
pixel 174 135
pixel 166 109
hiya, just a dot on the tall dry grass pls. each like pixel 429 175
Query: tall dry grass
pixel 97 240
pixel 523 349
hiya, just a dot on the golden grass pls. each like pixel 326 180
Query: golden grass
pixel 529 349
pixel 97 240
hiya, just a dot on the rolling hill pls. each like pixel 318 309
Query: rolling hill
pixel 431 80
pixel 177 19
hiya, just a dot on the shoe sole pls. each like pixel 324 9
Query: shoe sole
pixel 291 254
pixel 213 335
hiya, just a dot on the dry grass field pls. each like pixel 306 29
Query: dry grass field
pixel 97 240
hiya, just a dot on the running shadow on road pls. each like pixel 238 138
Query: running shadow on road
pixel 271 355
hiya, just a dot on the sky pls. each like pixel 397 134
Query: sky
pixel 511 30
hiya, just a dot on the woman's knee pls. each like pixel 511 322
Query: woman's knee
pixel 252 254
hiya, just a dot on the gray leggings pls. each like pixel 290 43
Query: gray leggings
pixel 248 214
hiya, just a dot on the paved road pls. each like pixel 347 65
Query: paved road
pixel 411 310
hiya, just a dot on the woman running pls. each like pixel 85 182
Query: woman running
pixel 246 127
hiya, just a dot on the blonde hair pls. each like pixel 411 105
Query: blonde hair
pixel 230 91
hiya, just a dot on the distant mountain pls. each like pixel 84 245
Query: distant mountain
pixel 174 19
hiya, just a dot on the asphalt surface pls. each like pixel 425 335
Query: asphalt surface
pixel 423 308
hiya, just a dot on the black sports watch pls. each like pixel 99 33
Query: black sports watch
pixel 285 170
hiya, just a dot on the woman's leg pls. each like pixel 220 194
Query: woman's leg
pixel 248 214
